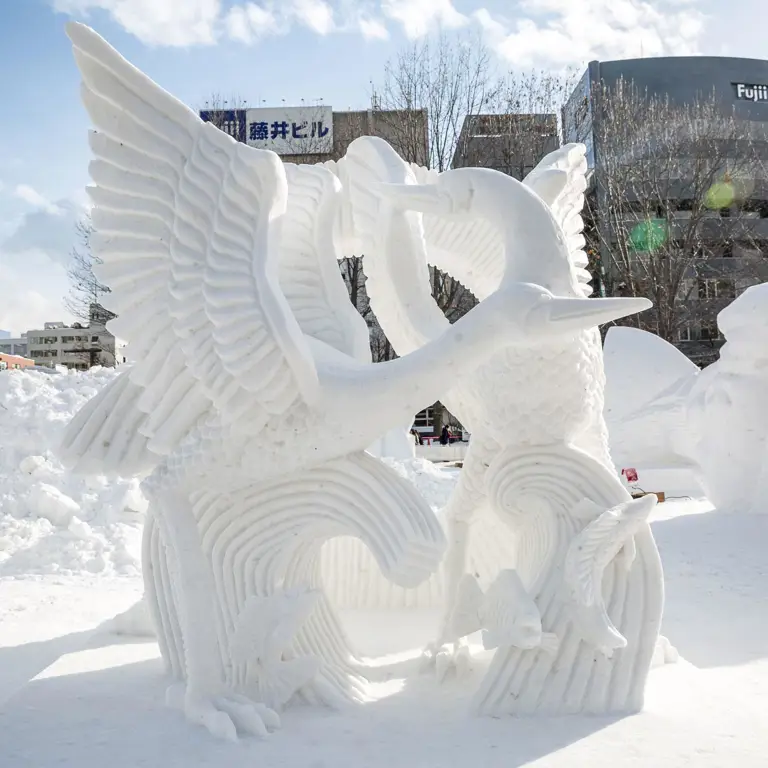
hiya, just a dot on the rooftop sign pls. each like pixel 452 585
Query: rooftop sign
pixel 284 130
pixel 751 92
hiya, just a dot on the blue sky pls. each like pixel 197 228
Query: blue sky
pixel 267 51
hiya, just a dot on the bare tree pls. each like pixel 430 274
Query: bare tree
pixel 427 92
pixel 522 124
pixel 448 78
pixel 351 268
pixel 224 114
pixel 95 345
pixel 679 192
pixel 86 291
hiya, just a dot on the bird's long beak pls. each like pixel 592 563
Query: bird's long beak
pixel 425 198
pixel 567 314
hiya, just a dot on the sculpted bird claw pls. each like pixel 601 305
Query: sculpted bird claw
pixel 223 715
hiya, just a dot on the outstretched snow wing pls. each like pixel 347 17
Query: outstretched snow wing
pixel 309 269
pixel 566 199
pixel 186 225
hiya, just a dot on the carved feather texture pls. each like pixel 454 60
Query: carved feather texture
pixel 473 251
pixel 395 256
pixel 187 223
pixel 309 272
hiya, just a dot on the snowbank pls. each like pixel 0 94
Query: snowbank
pixel 50 520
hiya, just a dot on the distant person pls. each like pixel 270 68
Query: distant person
pixel 417 437
pixel 445 435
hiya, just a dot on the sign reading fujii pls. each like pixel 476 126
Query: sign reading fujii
pixel 751 92
pixel 291 130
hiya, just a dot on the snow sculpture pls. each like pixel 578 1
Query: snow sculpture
pixel 252 397
pixel 396 444
pixel 715 419
pixel 639 368
pixel 584 552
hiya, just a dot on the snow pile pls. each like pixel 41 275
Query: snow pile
pixel 50 520
pixel 433 483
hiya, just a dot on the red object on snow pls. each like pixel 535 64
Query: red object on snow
pixel 630 473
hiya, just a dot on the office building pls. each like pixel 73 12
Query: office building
pixel 74 346
pixel 511 143
pixel 714 230
pixel 10 345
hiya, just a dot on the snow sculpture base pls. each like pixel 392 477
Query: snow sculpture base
pixel 263 542
pixel 542 490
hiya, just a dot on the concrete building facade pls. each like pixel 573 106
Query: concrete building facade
pixel 12 362
pixel 77 347
pixel 10 345
pixel 512 143
pixel 732 239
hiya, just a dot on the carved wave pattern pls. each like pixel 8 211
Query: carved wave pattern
pixel 268 538
pixel 540 488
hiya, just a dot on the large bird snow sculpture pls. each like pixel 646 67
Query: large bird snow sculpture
pixel 538 451
pixel 251 401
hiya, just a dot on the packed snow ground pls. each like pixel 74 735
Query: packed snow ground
pixel 73 693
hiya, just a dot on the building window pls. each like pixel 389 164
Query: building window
pixel 423 418
pixel 756 206
pixel 696 250
pixel 716 288
pixel 684 333
pixel 709 332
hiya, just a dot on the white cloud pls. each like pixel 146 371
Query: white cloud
pixel 542 32
pixel 246 23
pixel 205 22
pixel 372 29
pixel 27 302
pixel 157 22
pixel 36 200
pixel 34 257
pixel 563 32
pixel 419 17
pixel 315 14
pixel 49 230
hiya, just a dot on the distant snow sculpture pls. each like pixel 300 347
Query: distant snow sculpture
pixel 588 579
pixel 716 419
pixel 641 367
pixel 252 397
